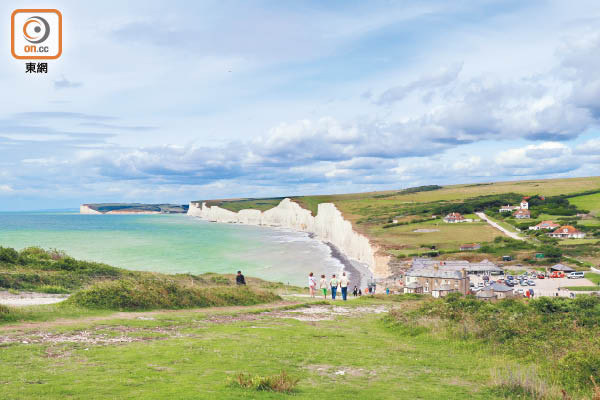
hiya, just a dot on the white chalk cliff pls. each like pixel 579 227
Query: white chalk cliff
pixel 329 226
pixel 85 209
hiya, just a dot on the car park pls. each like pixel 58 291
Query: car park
pixel 576 275
pixel 531 282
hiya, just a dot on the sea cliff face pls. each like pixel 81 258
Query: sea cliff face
pixel 329 226
pixel 84 209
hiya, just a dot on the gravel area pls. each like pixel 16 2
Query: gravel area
pixel 30 298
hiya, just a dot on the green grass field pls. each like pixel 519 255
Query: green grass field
pixel 590 202
pixel 352 350
pixel 190 355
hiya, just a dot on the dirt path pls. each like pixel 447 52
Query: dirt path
pixel 143 314
pixel 30 298
pixel 495 225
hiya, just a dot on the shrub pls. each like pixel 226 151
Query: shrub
pixel 516 382
pixel 8 314
pixel 9 255
pixel 282 382
pixel 162 292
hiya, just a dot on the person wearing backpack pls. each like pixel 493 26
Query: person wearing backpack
pixel 334 283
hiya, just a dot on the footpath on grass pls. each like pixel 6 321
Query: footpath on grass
pixel 497 226
pixel 130 315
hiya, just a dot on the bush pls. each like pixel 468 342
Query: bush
pixel 162 292
pixel 282 382
pixel 8 314
pixel 9 255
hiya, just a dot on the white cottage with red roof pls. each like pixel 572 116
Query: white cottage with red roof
pixel 567 232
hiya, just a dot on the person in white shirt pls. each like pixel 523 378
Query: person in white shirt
pixel 312 284
pixel 323 286
pixel 344 286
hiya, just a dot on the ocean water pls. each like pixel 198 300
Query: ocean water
pixel 172 244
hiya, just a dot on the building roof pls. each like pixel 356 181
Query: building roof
pixel 455 265
pixel 567 229
pixel 454 215
pixel 562 267
pixel 547 223
pixel 486 294
pixel 499 287
pixel 522 212
pixel 434 273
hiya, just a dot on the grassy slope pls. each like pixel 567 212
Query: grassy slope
pixel 590 202
pixel 96 288
pixel 196 364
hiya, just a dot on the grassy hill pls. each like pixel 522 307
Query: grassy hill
pixel 94 287
pixel 417 233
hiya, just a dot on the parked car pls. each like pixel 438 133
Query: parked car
pixel 510 277
pixel 557 274
pixel 523 282
pixel 531 282
pixel 541 276
pixel 509 283
pixel 480 284
pixel 520 291
pixel 576 275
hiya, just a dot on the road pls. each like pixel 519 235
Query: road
pixel 495 225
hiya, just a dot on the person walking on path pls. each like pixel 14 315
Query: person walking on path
pixel 312 284
pixel 323 286
pixel 355 291
pixel 239 279
pixel 334 283
pixel 344 286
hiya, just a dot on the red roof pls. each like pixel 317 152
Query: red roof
pixel 522 212
pixel 566 229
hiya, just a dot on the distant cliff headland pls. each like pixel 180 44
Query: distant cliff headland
pixel 132 208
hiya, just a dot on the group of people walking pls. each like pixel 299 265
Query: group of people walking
pixel 334 283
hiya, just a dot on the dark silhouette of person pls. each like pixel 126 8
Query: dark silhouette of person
pixel 239 279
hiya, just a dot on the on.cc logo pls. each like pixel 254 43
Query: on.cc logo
pixel 32 29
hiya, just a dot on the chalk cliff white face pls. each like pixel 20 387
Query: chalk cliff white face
pixel 329 225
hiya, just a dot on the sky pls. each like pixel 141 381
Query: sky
pixel 172 101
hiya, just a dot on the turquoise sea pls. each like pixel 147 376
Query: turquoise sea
pixel 172 244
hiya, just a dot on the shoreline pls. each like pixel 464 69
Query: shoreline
pixel 355 276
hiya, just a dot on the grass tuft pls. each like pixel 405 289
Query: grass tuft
pixel 281 383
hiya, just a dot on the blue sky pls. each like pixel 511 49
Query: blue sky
pixel 176 101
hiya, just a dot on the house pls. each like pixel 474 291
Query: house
pixel 508 208
pixel 501 291
pixel 470 247
pixel 486 295
pixel 567 232
pixel 454 218
pixel 522 214
pixel 413 287
pixel 561 267
pixel 544 225
pixel 437 279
